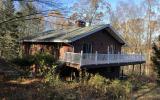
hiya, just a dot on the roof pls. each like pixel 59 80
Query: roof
pixel 72 34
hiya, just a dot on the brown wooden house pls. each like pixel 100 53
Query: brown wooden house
pixel 97 46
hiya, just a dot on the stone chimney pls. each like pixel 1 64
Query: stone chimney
pixel 80 23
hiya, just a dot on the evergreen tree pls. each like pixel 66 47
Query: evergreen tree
pixel 156 56
pixel 8 31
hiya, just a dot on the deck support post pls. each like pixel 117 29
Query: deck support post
pixel 144 69
pixel 122 74
pixel 96 57
pixel 133 68
pixel 140 69
pixel 81 57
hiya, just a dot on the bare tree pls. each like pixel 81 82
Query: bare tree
pixel 91 11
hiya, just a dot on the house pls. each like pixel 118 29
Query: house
pixel 84 47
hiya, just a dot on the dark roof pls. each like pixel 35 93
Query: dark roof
pixel 72 34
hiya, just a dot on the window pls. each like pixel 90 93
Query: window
pixel 87 48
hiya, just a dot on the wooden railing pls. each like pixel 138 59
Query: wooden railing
pixel 96 58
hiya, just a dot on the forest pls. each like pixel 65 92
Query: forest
pixel 138 22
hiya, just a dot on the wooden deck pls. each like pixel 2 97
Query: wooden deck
pixel 90 60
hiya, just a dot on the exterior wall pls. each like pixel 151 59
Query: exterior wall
pixel 100 42
pixel 57 49
pixel 64 48
pixel 33 48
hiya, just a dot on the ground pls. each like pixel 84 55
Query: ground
pixel 29 88
pixel 149 92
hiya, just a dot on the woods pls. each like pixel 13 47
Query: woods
pixel 139 21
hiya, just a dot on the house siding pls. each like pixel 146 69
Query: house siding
pixel 100 42
pixel 65 48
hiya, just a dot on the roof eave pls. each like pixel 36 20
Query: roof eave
pixel 122 40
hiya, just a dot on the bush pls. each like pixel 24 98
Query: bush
pixel 97 87
pixel 42 62
pixel 98 81
pixel 46 58
pixel 51 78
pixel 25 61
pixel 115 89
pixel 118 90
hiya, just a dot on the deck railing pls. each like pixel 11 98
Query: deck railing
pixel 90 58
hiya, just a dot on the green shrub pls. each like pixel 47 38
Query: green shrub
pixel 98 81
pixel 115 89
pixel 118 90
pixel 51 78
pixel 46 58
pixel 25 61
pixel 42 62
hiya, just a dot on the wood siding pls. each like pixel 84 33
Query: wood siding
pixel 100 42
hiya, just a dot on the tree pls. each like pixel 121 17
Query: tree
pixel 151 7
pixel 15 24
pixel 8 31
pixel 156 56
pixel 127 19
pixel 34 24
pixel 91 11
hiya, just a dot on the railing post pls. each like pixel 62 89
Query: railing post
pixel 108 55
pixel 96 55
pixel 81 57
pixel 118 57
pixel 64 57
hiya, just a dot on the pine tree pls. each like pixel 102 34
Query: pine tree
pixel 156 56
pixel 8 31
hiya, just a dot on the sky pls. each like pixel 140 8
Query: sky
pixel 69 3
pixel 112 2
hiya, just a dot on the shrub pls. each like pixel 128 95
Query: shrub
pixel 46 58
pixel 97 87
pixel 98 81
pixel 25 61
pixel 42 62
pixel 118 90
pixel 51 78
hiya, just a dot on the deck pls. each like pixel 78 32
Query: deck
pixel 90 60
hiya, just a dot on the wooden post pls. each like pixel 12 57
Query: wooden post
pixel 140 69
pixel 141 55
pixel 81 57
pixel 144 69
pixel 122 73
pixel 118 57
pixel 96 55
pixel 133 68
pixel 108 55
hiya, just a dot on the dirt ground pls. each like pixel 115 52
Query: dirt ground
pixel 27 89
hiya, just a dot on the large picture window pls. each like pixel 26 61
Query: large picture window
pixel 87 48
